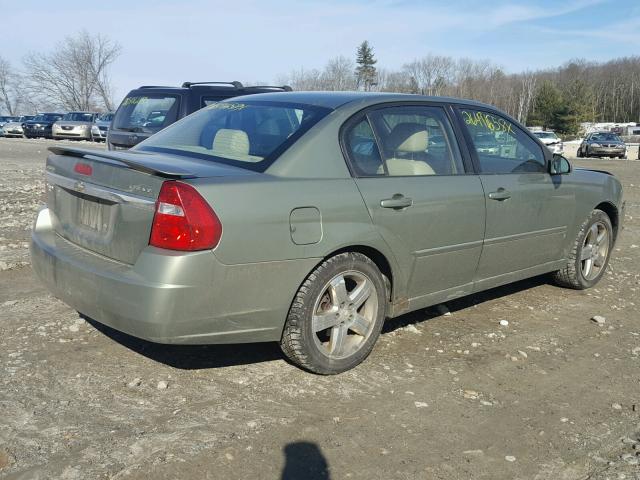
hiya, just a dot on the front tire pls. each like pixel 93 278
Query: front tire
pixel 336 316
pixel 589 254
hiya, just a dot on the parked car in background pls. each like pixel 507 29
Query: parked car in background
pixel 551 140
pixel 101 126
pixel 4 119
pixel 308 218
pixel 40 125
pixel 16 127
pixel 149 109
pixel 74 125
pixel 602 144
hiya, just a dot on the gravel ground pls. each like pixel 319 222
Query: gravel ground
pixel 551 395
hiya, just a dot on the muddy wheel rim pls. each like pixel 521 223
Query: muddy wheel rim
pixel 594 252
pixel 344 314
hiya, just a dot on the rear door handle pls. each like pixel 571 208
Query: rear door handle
pixel 398 201
pixel 500 194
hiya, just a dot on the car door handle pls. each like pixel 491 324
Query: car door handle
pixel 398 201
pixel 500 194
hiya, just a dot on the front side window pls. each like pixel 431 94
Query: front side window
pixel 146 113
pixel 244 134
pixel 409 141
pixel 501 146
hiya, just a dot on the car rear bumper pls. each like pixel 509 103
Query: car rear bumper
pixel 166 296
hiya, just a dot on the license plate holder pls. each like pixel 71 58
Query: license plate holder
pixel 92 215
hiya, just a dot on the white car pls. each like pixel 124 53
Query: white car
pixel 551 140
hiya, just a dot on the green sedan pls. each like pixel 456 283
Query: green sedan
pixel 310 218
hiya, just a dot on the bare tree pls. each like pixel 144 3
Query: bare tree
pixel 10 97
pixel 75 75
pixel 338 74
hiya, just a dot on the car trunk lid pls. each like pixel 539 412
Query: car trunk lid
pixel 105 201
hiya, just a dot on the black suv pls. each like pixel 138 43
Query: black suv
pixel 149 109
pixel 40 125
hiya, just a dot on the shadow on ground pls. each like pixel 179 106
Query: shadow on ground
pixel 304 460
pixel 196 357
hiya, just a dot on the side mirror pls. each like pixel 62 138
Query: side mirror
pixel 559 165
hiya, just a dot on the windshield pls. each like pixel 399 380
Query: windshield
pixel 248 135
pixel 545 135
pixel 605 137
pixel 78 117
pixel 47 117
pixel 146 113
pixel 106 117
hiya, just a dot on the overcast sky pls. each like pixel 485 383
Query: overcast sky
pixel 167 42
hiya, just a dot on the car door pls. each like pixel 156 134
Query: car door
pixel 427 206
pixel 528 210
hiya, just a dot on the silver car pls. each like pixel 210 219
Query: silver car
pixel 16 127
pixel 101 126
pixel 309 218
pixel 74 125
pixel 551 141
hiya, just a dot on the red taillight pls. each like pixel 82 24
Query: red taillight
pixel 184 220
pixel 83 169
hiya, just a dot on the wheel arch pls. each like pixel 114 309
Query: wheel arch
pixel 376 257
pixel 612 211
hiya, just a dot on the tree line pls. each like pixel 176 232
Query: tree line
pixel 558 98
pixel 73 76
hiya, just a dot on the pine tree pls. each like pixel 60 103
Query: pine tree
pixel 366 70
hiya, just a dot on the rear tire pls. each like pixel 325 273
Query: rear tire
pixel 589 255
pixel 336 316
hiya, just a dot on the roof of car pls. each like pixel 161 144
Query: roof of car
pixel 336 99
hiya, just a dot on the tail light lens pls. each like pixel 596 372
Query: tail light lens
pixel 184 220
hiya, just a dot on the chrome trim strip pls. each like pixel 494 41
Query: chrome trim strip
pixel 520 236
pixel 99 191
pixel 447 248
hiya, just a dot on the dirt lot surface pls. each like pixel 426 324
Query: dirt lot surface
pixel 553 395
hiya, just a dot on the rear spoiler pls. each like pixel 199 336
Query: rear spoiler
pixel 139 161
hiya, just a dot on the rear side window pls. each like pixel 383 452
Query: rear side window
pixel 146 113
pixel 409 141
pixel 362 149
pixel 206 101
pixel 501 146
pixel 245 134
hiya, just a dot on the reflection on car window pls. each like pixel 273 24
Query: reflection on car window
pixel 416 140
pixel 502 147
pixel 146 113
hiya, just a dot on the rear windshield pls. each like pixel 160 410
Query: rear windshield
pixel 606 137
pixel 246 134
pixel 78 117
pixel 146 113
